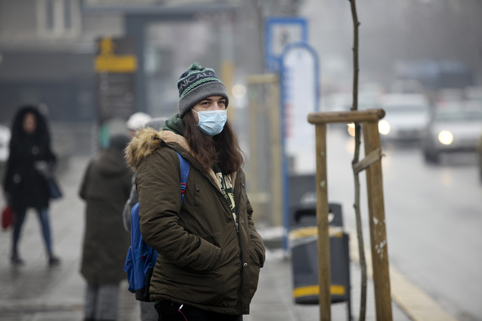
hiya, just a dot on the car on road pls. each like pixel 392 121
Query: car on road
pixel 407 115
pixel 369 99
pixel 454 127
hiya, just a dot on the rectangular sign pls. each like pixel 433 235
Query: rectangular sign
pixel 115 67
pixel 280 32
pixel 300 97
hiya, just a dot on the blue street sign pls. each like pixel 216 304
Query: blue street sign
pixel 299 97
pixel 280 32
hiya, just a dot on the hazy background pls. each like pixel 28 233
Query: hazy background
pixel 429 47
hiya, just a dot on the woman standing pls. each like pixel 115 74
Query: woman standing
pixel 25 185
pixel 210 253
pixel 105 189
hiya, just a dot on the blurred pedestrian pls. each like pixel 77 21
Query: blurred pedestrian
pixel 154 123
pixel 148 311
pixel 210 253
pixel 137 121
pixel 25 184
pixel 105 189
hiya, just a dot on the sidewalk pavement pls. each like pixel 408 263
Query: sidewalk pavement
pixel 37 292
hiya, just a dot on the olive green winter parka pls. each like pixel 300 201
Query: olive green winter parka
pixel 205 258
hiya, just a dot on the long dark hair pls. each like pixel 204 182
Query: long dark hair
pixel 40 135
pixel 222 149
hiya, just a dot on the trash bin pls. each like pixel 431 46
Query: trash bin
pixel 304 256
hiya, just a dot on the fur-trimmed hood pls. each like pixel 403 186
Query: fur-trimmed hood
pixel 147 140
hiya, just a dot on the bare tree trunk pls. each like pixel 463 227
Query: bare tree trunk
pixel 356 157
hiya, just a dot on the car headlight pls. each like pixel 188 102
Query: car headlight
pixel 383 127
pixel 351 129
pixel 445 137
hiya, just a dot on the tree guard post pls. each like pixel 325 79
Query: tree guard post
pixel 378 235
pixel 322 223
pixel 378 232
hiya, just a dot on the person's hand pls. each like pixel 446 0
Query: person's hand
pixel 43 168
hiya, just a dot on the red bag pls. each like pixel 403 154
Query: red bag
pixel 7 217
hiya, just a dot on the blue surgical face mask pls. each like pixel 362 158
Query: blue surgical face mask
pixel 211 122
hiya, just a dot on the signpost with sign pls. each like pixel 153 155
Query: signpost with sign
pixel 300 97
pixel 115 67
pixel 279 33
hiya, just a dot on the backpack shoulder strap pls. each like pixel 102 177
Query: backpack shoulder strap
pixel 184 175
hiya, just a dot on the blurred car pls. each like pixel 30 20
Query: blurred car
pixel 366 100
pixel 4 141
pixel 407 115
pixel 454 127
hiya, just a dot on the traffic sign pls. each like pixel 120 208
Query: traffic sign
pixel 280 32
pixel 115 67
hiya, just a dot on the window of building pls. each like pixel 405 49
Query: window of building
pixel 49 14
pixel 68 13
pixel 58 18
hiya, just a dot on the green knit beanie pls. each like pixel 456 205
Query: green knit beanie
pixel 196 84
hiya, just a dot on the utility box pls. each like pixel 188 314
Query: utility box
pixel 304 256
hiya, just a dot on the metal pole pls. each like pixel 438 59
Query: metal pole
pixel 275 141
pixel 135 26
pixel 276 154
pixel 253 148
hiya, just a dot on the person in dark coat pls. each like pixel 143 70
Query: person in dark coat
pixel 148 311
pixel 105 189
pixel 25 185
pixel 210 253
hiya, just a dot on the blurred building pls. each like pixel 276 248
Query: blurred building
pixel 47 51
pixel 47 47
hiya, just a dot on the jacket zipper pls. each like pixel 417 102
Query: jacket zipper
pixel 240 307
pixel 236 225
pixel 237 199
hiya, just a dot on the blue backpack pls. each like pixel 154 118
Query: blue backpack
pixel 141 258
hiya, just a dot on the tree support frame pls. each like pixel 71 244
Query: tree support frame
pixel 378 235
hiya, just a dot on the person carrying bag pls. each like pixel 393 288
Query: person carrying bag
pixel 209 252
pixel 24 185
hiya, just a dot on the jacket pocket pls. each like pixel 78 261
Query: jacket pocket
pixel 254 270
pixel 255 256
pixel 228 243
pixel 211 239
